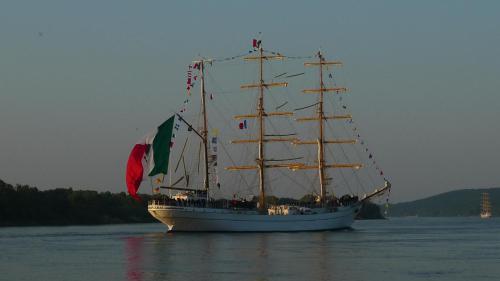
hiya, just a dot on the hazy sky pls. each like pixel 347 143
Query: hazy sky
pixel 81 81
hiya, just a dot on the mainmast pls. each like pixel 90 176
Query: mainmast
pixel 321 118
pixel 260 115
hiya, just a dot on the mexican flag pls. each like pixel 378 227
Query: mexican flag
pixel 154 149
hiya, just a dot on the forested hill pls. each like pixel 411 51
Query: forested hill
pixel 465 202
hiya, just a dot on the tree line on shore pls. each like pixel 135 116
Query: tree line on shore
pixel 25 205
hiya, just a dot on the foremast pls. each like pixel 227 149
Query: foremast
pixel 203 134
pixel 260 115
pixel 321 118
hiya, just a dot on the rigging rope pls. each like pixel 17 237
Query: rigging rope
pixel 280 106
pixel 284 73
pixel 306 107
pixel 225 59
pixel 285 159
pixel 280 135
pixel 295 75
pixel 287 147
pixel 289 57
pixel 225 119
pixel 289 151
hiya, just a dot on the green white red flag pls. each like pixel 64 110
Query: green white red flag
pixel 152 152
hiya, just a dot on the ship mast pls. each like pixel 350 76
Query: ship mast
pixel 260 115
pixel 204 132
pixel 205 126
pixel 485 204
pixel 321 118
pixel 321 150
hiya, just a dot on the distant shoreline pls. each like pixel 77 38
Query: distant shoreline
pixel 458 203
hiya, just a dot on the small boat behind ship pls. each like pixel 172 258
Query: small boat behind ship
pixel 485 206
pixel 193 207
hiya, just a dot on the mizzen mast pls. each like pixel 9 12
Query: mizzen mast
pixel 321 118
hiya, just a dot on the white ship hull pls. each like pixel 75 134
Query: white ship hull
pixel 211 219
pixel 485 215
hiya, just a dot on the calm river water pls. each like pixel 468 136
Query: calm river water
pixel 395 249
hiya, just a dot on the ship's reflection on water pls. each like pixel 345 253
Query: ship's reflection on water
pixel 234 256
pixel 133 250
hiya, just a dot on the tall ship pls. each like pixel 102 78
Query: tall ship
pixel 203 181
pixel 485 206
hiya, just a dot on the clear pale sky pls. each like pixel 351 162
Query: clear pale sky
pixel 81 81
